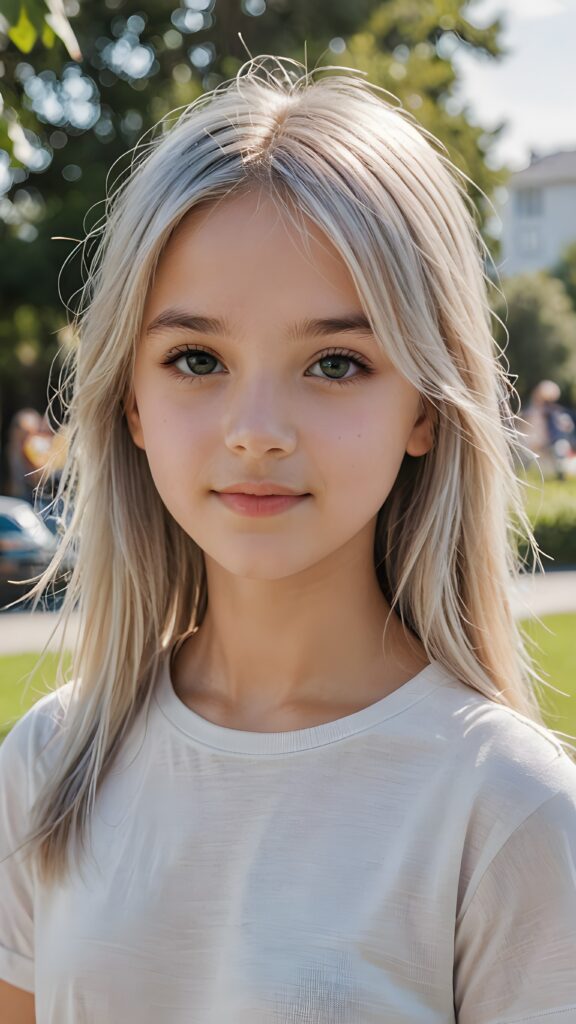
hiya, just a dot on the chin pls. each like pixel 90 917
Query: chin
pixel 271 566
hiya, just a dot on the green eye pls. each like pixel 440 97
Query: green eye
pixel 329 360
pixel 201 362
pixel 338 356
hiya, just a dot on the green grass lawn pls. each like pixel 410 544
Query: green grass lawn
pixel 560 493
pixel 16 693
pixel 551 646
pixel 553 652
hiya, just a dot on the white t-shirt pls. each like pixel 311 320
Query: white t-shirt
pixel 412 863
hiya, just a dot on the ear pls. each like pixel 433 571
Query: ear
pixel 133 420
pixel 421 439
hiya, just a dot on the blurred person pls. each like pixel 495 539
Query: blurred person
pixel 22 447
pixel 551 429
pixel 299 770
pixel 48 449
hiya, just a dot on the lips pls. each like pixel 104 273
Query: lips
pixel 262 489
pixel 258 504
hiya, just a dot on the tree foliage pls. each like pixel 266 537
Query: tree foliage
pixel 541 325
pixel 565 271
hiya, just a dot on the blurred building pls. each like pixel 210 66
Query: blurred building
pixel 539 214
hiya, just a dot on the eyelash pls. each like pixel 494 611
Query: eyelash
pixel 176 353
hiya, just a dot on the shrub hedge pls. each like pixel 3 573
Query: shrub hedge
pixel 551 507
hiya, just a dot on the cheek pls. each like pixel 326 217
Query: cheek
pixel 173 441
pixel 366 450
pixel 167 419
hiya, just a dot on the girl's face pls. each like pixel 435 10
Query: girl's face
pixel 260 398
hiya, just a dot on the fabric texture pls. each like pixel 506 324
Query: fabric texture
pixel 412 862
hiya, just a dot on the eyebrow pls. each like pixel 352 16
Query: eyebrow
pixel 176 319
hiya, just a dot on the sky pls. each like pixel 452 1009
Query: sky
pixel 533 87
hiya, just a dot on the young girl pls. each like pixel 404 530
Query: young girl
pixel 299 772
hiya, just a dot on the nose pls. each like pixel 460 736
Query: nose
pixel 258 419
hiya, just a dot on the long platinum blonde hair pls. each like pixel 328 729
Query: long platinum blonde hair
pixel 331 146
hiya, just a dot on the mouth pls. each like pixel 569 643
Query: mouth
pixel 259 504
pixel 264 489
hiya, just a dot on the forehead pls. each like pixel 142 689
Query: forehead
pixel 245 249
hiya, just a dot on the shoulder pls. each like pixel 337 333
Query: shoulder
pixel 510 776
pixel 501 747
pixel 30 739
pixel 23 767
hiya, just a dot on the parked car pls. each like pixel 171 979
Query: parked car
pixel 27 546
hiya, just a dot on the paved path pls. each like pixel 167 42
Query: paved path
pixel 546 594
pixel 30 631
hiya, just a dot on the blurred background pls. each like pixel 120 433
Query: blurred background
pixel 81 82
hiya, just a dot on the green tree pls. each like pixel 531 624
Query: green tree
pixel 407 46
pixel 541 325
pixel 565 271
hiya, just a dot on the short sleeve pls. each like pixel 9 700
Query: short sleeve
pixel 16 881
pixel 515 944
